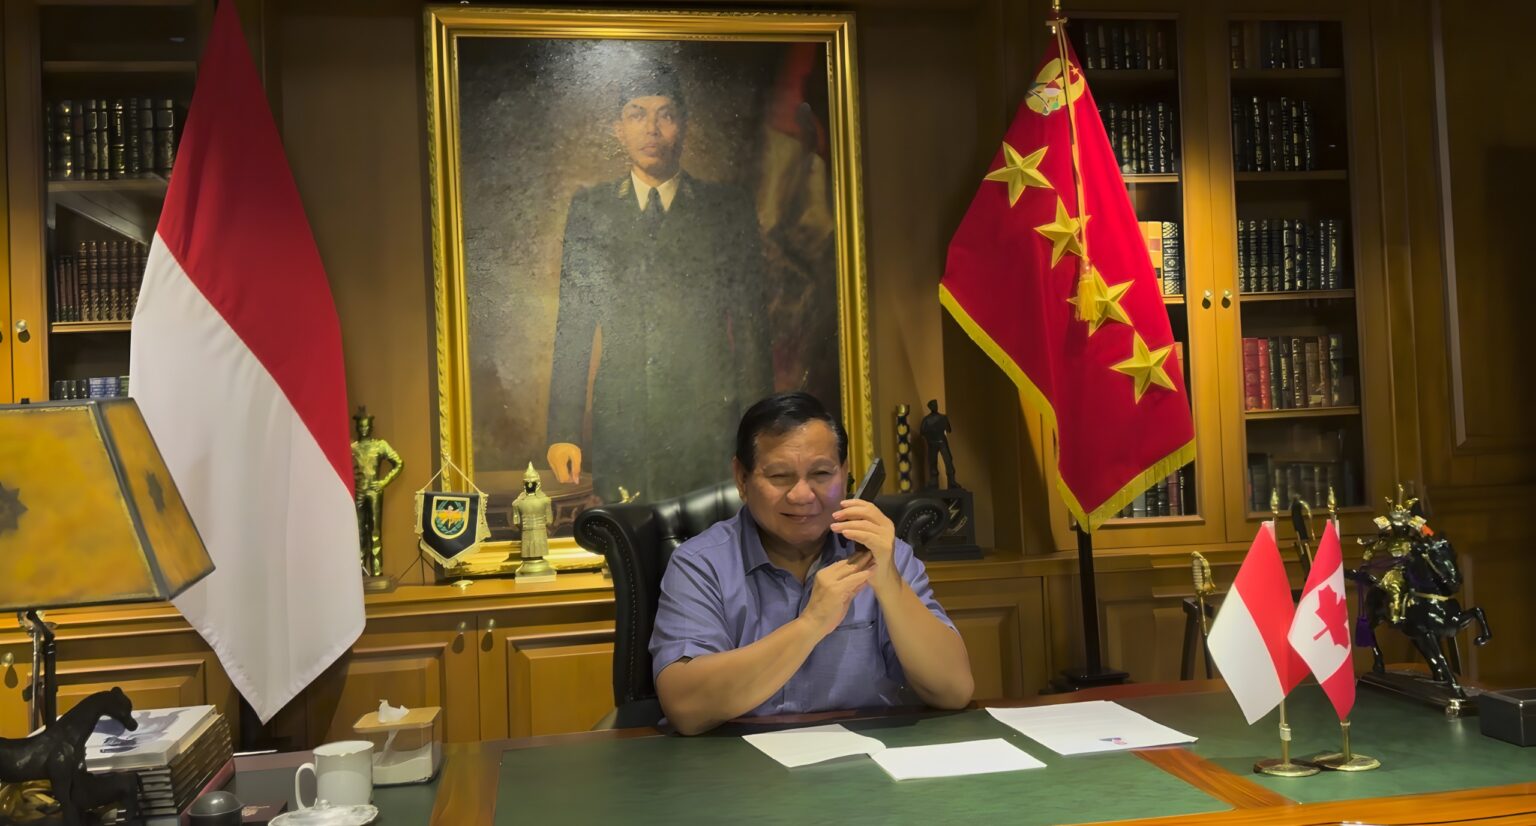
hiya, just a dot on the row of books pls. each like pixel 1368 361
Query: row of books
pixel 100 282
pixel 1144 136
pixel 1307 481
pixel 106 139
pixel 1128 44
pixel 1282 45
pixel 95 387
pixel 1281 373
pixel 1273 134
pixel 1281 255
pixel 1173 496
pixel 1165 245
pixel 177 753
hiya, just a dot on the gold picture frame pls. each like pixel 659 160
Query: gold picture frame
pixel 517 122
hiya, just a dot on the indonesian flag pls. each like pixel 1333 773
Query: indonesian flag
pixel 1320 631
pixel 1248 639
pixel 236 363
pixel 1061 293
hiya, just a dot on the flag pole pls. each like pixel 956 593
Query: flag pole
pixel 1094 673
pixel 1282 767
pixel 1344 760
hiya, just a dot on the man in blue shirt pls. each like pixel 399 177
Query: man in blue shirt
pixel 804 601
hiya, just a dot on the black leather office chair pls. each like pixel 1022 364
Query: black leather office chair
pixel 638 541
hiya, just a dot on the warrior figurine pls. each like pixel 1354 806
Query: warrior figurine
pixel 368 454
pixel 533 512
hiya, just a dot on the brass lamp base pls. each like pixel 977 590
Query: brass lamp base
pixel 1276 767
pixel 1336 761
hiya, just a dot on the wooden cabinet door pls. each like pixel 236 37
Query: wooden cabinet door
pixel 1002 624
pixel 544 679
pixel 158 670
pixel 412 661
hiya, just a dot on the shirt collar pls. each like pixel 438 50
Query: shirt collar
pixel 668 190
pixel 753 556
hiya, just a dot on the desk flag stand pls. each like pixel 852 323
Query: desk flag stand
pixel 1345 760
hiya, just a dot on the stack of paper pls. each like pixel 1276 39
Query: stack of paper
pixel 176 752
pixel 1084 728
pixel 803 746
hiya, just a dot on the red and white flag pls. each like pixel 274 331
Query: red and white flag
pixel 1248 639
pixel 1320 631
pixel 236 363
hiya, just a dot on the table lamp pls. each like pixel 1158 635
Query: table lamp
pixel 89 515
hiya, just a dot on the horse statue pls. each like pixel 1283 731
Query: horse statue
pixel 57 754
pixel 1408 580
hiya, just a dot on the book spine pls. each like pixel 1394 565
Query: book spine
pixel 1335 369
pixel 1266 370
pixel 1287 256
pixel 1256 125
pixel 1298 373
pixel 1272 147
pixel 1317 375
pixel 1295 153
pixel 1308 146
pixel 1101 35
pixel 1161 50
pixel 117 139
pixel 1266 272
pixel 1287 398
pixel 146 135
pixel 165 136
pixel 1251 391
pixel 1116 46
pixel 1283 158
pixel 1235 45
pixel 63 137
pixel 1173 259
pixel 1164 138
pixel 1175 495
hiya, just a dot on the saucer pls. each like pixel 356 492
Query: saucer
pixel 357 815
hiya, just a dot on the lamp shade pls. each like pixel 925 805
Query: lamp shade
pixel 89 514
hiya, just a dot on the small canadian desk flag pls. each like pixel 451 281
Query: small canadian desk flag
pixel 1248 639
pixel 1320 631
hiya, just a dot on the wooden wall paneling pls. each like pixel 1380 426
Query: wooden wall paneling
pixel 6 330
pixel 412 661
pixel 1003 623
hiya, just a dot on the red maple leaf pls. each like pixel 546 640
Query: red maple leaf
pixel 1335 616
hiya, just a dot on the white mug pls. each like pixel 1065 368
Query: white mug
pixel 343 774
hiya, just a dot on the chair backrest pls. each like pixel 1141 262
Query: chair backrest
pixel 638 541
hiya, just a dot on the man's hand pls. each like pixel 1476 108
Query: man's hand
pixel 835 587
pixel 863 522
pixel 565 460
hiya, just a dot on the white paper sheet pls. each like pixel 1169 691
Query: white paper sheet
pixel 955 759
pixel 1084 728
pixel 804 746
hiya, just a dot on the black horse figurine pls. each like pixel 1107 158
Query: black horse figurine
pixel 57 754
pixel 1415 593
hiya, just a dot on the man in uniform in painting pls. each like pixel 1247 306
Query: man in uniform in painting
pixel 662 281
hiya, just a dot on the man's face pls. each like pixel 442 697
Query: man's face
pixel 651 130
pixel 797 484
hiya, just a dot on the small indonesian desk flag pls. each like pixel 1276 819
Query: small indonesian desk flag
pixel 1048 273
pixel 1320 631
pixel 1248 640
pixel 236 363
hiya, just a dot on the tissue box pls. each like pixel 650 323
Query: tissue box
pixel 1509 715
pixel 407 750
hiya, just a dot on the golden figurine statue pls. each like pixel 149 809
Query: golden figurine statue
pixel 533 512
pixel 368 454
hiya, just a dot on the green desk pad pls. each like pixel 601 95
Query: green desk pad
pixel 724 779
pixel 408 805
pixel 1420 749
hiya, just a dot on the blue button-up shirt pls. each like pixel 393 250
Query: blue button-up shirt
pixel 720 592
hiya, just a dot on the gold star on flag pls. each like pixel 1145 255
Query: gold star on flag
pixel 1018 172
pixel 1098 302
pixel 1065 233
pixel 1146 366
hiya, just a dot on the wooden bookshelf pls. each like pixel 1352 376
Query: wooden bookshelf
pixel 1303 412
pixel 1299 295
pixel 1298 175
pixel 84 226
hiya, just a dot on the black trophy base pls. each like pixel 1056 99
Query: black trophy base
pixel 1077 679
pixel 1421 689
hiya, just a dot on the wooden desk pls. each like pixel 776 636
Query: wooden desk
pixel 468 788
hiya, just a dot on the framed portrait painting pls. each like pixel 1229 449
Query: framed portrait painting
pixel 642 222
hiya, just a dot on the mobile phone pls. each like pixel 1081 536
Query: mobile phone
pixel 869 488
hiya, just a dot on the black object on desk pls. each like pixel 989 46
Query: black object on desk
pixel 1509 715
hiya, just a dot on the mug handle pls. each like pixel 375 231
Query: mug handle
pixel 298 799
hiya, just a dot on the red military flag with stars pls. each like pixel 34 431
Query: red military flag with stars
pixel 1049 274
